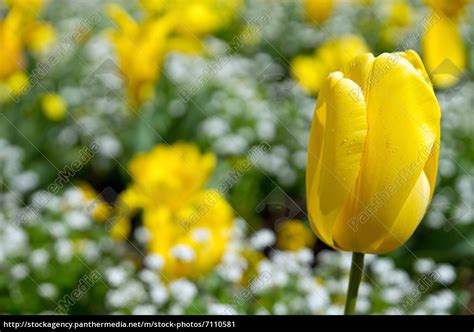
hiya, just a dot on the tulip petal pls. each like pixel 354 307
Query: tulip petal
pixel 359 69
pixel 409 217
pixel 403 121
pixel 444 51
pixel 335 151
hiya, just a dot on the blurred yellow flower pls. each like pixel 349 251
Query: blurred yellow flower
pixel 168 26
pixel 253 259
pixel 20 29
pixel 443 48
pixel 450 8
pixel 193 238
pixel 120 228
pixel 14 85
pixel 401 13
pixel 400 17
pixel 11 44
pixel 168 176
pixel 140 48
pixel 100 210
pixel 310 71
pixel 293 235
pixel 318 11
pixel 28 7
pixel 189 225
pixel 53 106
pixel 373 153
pixel 39 36
pixel 196 18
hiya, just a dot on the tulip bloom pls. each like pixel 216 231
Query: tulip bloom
pixel 373 153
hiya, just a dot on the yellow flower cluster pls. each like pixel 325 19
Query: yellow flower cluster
pixel 174 25
pixel 311 70
pixel 188 224
pixel 20 30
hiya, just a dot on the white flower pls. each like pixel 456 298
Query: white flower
pixel 90 250
pixel 176 309
pixel 335 310
pixel 183 252
pixel 154 262
pixel 442 301
pixel 47 290
pixel 265 130
pixel 220 309
pixel 280 309
pixel 148 276
pixel 159 294
pixel 300 158
pixel 231 145
pixel 446 273
pixel 109 146
pixel 279 278
pixel 262 312
pixel 383 267
pixel 317 299
pixel 392 311
pixel 328 258
pixel 362 305
pixel 25 181
pixel 201 234
pixel 39 258
pixel 183 291
pixel 19 271
pixel 262 238
pixel 142 235
pixel 365 289
pixel 116 275
pixel 424 265
pixel 73 197
pixel 144 309
pixel 397 277
pixel 13 241
pixel 63 250
pixel 77 220
pixel 232 266
pixel 129 293
pixel 214 127
pixel 392 294
pixel 346 261
pixel 57 229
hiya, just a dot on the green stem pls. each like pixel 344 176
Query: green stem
pixel 357 267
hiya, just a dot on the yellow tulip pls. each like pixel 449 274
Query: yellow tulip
pixel 373 153
pixel 318 11
pixel 442 45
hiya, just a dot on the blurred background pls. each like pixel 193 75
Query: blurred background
pixel 153 156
